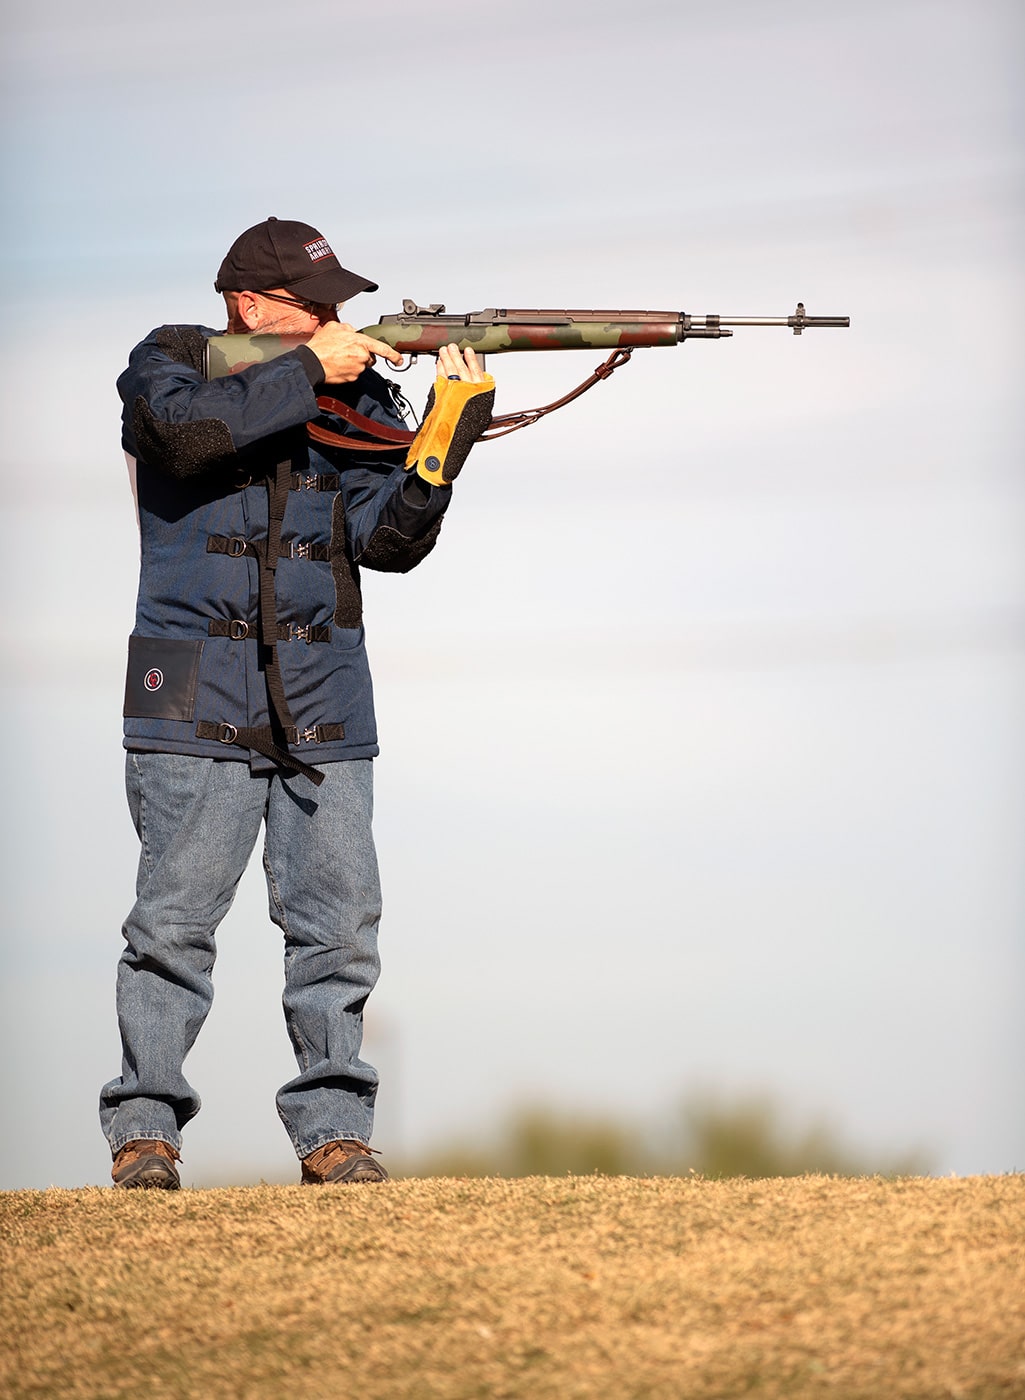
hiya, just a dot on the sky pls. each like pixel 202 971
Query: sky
pixel 702 758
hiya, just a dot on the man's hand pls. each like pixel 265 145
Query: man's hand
pixel 345 353
pixel 455 366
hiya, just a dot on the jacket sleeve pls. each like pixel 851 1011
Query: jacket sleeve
pixel 392 516
pixel 176 421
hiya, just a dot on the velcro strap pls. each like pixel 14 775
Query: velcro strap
pixel 235 546
pixel 312 481
pixel 230 733
pixel 237 630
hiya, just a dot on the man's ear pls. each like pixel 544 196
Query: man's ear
pixel 248 311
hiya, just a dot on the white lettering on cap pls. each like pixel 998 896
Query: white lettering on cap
pixel 319 248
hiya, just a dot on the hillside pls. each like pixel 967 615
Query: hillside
pixel 544 1287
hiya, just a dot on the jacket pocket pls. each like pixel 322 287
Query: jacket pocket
pixel 162 675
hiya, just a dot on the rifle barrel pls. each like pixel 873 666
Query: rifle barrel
pixel 839 321
pixel 798 322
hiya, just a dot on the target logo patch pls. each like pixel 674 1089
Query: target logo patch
pixel 162 677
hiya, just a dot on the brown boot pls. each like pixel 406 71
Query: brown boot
pixel 147 1163
pixel 341 1162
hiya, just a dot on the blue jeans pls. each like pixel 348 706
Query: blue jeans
pixel 198 820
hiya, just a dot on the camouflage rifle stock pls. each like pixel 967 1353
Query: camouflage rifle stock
pixel 423 330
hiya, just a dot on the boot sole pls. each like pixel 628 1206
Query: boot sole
pixel 155 1176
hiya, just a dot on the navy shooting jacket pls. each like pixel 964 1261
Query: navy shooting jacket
pixel 206 458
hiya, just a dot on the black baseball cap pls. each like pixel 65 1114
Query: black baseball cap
pixel 283 253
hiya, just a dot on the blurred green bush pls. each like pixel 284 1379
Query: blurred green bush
pixel 706 1136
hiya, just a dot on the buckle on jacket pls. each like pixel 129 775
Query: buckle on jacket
pixel 300 633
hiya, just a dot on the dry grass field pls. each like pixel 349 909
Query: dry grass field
pixel 543 1287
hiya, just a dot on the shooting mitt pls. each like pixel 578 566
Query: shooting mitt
pixel 457 413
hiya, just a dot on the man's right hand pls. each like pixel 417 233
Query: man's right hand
pixel 345 352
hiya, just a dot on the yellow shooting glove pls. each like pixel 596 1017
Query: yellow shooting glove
pixel 456 415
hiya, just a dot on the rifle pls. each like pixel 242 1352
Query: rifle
pixel 423 330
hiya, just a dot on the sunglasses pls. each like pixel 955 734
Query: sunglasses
pixel 312 308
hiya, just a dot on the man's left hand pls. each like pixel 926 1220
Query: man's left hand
pixel 455 366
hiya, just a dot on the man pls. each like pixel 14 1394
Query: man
pixel 248 700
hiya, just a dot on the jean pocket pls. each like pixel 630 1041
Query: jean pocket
pixel 162 675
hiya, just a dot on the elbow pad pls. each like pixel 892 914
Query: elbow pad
pixel 457 414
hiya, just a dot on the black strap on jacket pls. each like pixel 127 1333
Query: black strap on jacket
pixel 315 481
pixel 281 721
pixel 235 547
pixel 238 630
pixel 266 739
pixel 230 734
pixel 272 739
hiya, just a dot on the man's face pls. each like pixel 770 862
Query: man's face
pixel 282 313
